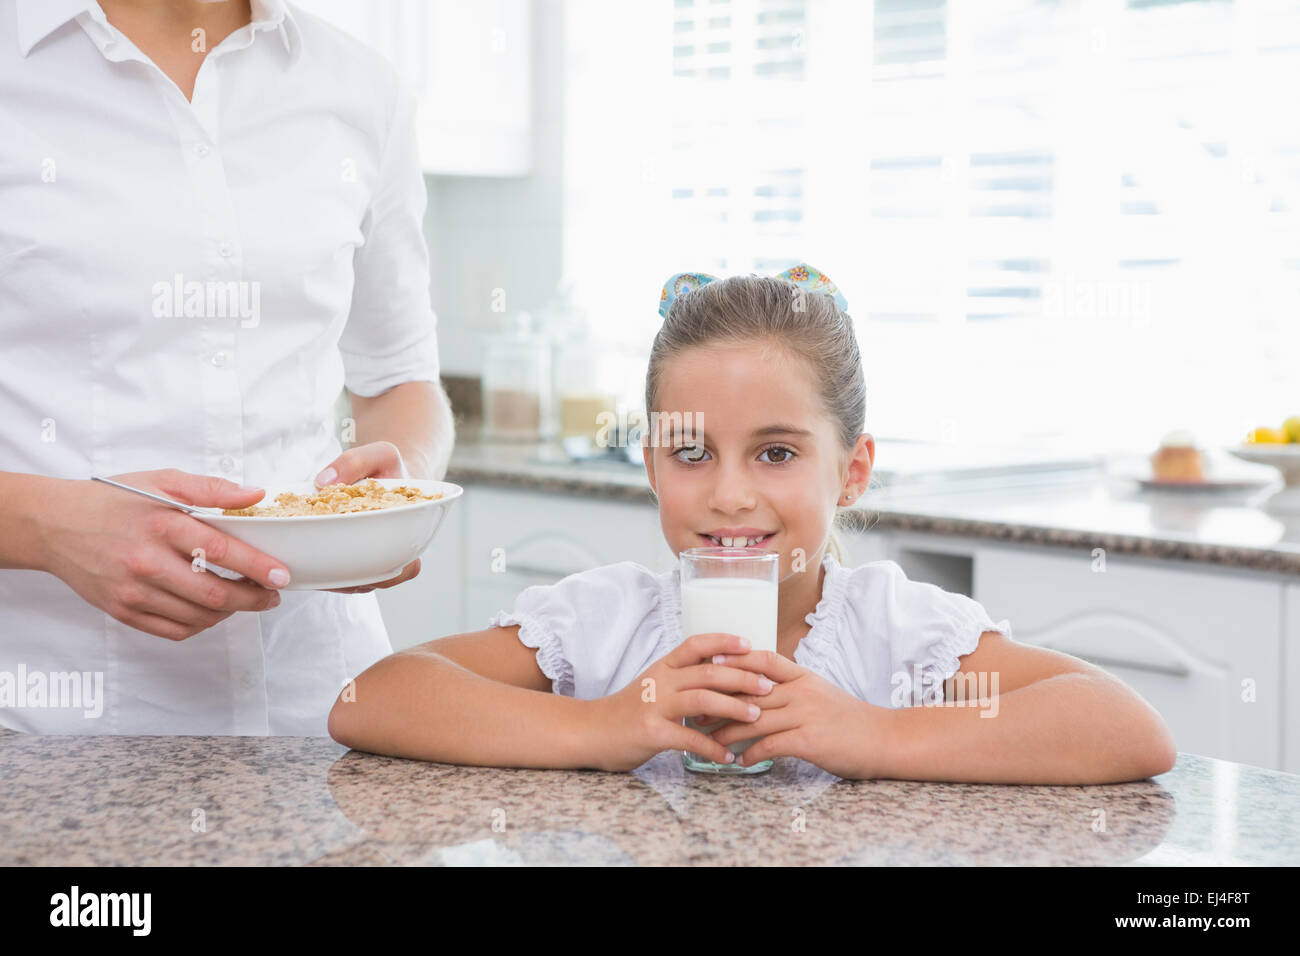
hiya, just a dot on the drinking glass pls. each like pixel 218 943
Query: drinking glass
pixel 734 591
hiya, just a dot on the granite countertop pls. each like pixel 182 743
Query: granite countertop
pixel 102 800
pixel 1081 508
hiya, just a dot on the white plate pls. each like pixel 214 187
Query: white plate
pixel 1221 474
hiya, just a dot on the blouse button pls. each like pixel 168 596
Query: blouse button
pixel 227 463
pixel 219 359
pixel 226 249
pixel 202 149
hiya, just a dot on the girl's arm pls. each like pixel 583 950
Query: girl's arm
pixel 481 699
pixel 1054 719
pixel 476 699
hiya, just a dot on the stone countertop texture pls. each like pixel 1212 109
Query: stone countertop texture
pixel 101 801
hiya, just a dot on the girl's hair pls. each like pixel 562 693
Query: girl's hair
pixel 756 309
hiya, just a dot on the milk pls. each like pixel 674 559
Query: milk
pixel 744 606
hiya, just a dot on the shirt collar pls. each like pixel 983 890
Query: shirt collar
pixel 37 19
pixel 277 15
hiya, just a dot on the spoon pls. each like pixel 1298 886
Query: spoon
pixel 188 509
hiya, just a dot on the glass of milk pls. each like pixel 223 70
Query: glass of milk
pixel 732 591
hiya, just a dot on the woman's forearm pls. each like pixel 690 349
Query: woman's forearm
pixel 1068 729
pixel 21 499
pixel 419 704
pixel 414 416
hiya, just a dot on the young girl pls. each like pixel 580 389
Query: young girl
pixel 768 370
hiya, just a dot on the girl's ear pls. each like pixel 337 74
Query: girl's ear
pixel 867 446
pixel 860 464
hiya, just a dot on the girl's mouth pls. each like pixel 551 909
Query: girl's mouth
pixel 758 541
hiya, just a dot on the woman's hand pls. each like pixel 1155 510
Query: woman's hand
pixel 377 459
pixel 645 717
pixel 137 561
pixel 807 716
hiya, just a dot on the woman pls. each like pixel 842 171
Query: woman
pixel 210 223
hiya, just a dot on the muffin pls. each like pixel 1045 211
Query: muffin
pixel 1178 459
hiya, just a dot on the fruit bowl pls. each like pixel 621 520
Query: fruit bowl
pixel 1285 457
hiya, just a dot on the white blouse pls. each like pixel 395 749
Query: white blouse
pixel 876 634
pixel 292 178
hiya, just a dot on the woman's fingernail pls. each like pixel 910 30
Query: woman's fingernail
pixel 754 711
pixel 764 685
pixel 744 643
pixel 275 599
pixel 250 487
pixel 279 577
pixel 730 757
pixel 719 658
pixel 326 476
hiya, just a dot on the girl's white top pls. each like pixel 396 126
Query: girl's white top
pixel 876 634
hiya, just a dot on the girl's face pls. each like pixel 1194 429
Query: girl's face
pixel 753 454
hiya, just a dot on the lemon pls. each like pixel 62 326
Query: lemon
pixel 1291 428
pixel 1265 436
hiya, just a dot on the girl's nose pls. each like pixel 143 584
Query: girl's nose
pixel 732 491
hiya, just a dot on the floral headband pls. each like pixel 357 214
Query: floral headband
pixel 802 275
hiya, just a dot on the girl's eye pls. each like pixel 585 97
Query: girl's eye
pixel 693 454
pixel 785 454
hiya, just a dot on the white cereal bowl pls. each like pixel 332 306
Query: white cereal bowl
pixel 343 550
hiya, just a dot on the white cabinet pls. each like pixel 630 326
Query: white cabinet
pixel 1203 647
pixel 518 538
pixel 432 604
pixel 470 64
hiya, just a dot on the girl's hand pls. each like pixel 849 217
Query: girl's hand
pixel 376 459
pixel 807 716
pixel 645 717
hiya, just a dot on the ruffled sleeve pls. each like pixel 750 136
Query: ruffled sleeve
pixel 533 616
pixel 907 636
pixel 931 630
pixel 593 631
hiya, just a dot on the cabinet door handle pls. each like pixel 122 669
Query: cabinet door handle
pixel 537 571
pixel 1172 670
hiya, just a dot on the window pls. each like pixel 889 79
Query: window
pixel 1054 220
